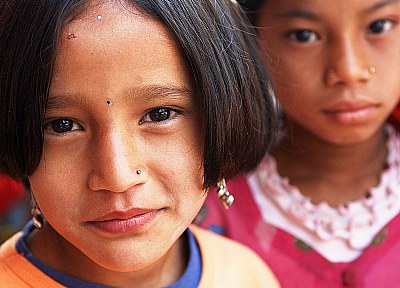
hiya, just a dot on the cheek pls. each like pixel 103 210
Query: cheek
pixel 184 164
pixel 289 78
pixel 393 83
pixel 185 155
pixel 55 186
pixel 182 173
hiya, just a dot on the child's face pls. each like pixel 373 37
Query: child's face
pixel 320 53
pixel 120 101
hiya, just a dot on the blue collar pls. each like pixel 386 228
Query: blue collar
pixel 189 279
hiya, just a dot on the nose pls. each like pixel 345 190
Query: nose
pixel 347 63
pixel 116 163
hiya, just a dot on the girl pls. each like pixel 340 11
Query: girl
pixel 323 208
pixel 121 114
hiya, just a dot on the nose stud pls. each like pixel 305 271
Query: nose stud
pixel 138 171
pixel 371 70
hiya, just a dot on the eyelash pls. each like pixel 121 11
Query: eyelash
pixel 165 114
pixel 294 35
pixel 51 127
pixel 386 26
pixel 169 113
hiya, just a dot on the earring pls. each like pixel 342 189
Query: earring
pixel 372 70
pixel 224 196
pixel 37 216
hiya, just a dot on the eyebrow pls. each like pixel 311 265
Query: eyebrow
pixel 62 101
pixel 381 4
pixel 150 92
pixel 298 13
pixel 160 91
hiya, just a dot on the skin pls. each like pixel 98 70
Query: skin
pixel 320 56
pixel 89 166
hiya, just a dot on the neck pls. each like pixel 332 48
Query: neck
pixel 328 172
pixel 51 248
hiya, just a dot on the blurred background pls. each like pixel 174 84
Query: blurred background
pixel 14 206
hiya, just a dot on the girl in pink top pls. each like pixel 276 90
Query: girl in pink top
pixel 323 208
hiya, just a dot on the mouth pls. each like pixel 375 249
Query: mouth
pixel 124 222
pixel 352 113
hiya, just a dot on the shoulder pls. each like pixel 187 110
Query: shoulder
pixel 8 259
pixel 17 272
pixel 7 249
pixel 227 263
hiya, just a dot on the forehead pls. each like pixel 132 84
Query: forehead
pixel 312 9
pixel 110 32
pixel 113 38
pixel 102 20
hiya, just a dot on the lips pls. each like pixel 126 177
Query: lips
pixel 352 112
pixel 123 222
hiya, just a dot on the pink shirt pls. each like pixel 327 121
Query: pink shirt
pixel 297 264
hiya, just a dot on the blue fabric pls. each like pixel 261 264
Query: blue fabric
pixel 190 279
pixel 192 275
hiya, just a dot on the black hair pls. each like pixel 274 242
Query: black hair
pixel 252 9
pixel 222 52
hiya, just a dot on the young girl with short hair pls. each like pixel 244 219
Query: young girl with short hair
pixel 120 115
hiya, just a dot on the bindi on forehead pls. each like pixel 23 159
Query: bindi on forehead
pixel 71 35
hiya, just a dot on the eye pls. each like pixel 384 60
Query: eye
pixel 158 115
pixel 62 125
pixel 303 36
pixel 380 26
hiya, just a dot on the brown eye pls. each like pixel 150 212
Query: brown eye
pixel 303 36
pixel 380 26
pixel 61 125
pixel 159 115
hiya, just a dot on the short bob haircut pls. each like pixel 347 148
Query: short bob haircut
pixel 217 41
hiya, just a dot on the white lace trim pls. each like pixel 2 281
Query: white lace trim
pixel 338 234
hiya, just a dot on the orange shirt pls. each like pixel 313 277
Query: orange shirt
pixel 225 264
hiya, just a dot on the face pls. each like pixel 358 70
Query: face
pixel 121 174
pixel 321 55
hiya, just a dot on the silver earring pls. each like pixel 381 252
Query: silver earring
pixel 372 70
pixel 224 196
pixel 37 216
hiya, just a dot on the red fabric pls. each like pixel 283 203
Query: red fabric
pixel 10 192
pixel 395 117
